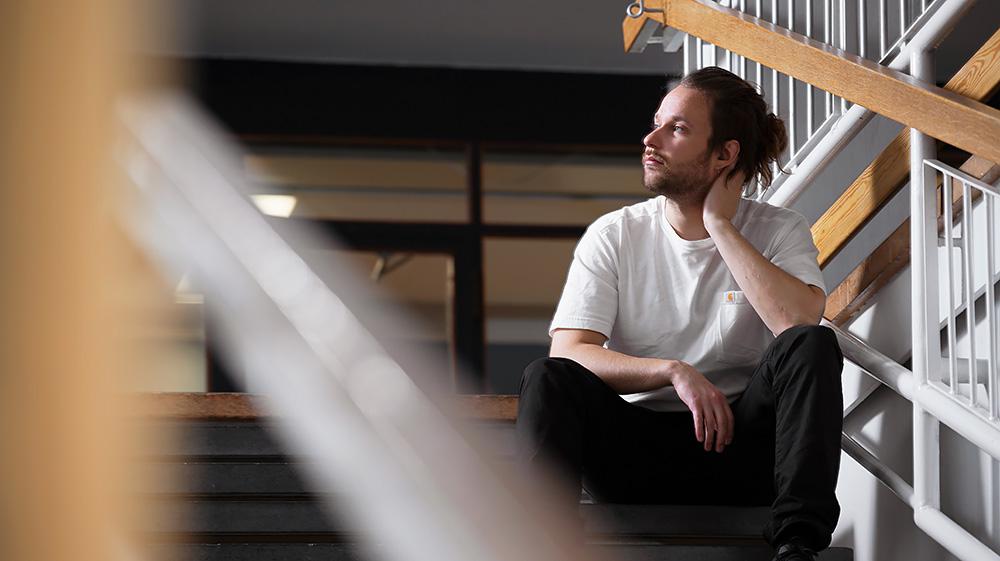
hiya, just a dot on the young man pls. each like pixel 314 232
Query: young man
pixel 686 365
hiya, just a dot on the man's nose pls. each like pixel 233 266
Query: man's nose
pixel 651 140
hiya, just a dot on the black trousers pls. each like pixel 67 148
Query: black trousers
pixel 785 450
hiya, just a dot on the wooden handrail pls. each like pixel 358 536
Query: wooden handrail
pixel 853 295
pixel 192 406
pixel 979 78
pixel 947 116
pixel 637 31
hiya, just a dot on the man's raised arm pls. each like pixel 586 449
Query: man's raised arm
pixel 780 299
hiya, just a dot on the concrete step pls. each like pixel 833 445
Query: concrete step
pixel 286 518
pixel 353 552
pixel 229 491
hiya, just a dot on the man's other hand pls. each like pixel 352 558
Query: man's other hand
pixel 723 199
pixel 713 418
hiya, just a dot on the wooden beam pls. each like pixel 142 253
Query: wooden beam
pixel 197 406
pixel 247 407
pixel 862 200
pixel 501 408
pixel 855 293
pixel 947 116
pixel 979 78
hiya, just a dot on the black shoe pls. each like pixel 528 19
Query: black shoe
pixel 794 552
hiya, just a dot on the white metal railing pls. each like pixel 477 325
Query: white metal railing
pixel 819 124
pixel 971 278
pixel 811 114
pixel 944 387
pixel 939 397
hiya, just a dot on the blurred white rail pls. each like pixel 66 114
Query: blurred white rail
pixel 410 480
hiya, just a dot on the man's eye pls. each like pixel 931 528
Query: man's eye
pixel 678 128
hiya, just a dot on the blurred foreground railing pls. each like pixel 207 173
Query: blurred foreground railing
pixel 410 480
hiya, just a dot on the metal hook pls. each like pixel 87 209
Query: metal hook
pixel 637 8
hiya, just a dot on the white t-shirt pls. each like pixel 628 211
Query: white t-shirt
pixel 656 295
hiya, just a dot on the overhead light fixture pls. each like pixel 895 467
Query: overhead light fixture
pixel 275 205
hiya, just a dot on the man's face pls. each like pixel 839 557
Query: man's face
pixel 676 159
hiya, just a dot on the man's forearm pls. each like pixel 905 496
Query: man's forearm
pixel 621 372
pixel 780 299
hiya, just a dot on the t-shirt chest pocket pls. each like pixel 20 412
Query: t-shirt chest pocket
pixel 739 329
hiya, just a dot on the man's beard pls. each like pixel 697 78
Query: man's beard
pixel 685 184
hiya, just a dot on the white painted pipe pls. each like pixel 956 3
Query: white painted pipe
pixel 958 540
pixel 974 428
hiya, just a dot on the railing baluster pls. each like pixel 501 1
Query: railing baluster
pixel 760 71
pixel 843 42
pixel 991 326
pixel 970 289
pixel 883 27
pixel 949 247
pixel 774 80
pixel 827 38
pixel 902 17
pixel 743 59
pixel 862 31
pixel 775 108
pixel 699 59
pixel 810 121
pixel 688 45
pixel 792 123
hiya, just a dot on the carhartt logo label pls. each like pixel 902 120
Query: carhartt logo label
pixel 733 297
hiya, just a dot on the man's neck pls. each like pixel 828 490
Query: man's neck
pixel 686 219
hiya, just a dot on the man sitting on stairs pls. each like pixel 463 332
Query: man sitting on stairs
pixel 687 366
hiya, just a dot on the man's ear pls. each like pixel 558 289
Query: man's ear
pixel 728 153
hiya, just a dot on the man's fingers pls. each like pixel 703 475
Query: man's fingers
pixel 732 424
pixel 725 427
pixel 711 429
pixel 699 425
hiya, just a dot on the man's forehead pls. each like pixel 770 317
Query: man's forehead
pixel 683 103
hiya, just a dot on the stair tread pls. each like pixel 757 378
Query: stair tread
pixel 353 552
pixel 308 516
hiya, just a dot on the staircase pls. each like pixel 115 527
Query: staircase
pixel 226 490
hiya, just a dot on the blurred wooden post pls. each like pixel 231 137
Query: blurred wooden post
pixel 61 64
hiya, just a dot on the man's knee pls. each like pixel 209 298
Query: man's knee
pixel 816 341
pixel 814 345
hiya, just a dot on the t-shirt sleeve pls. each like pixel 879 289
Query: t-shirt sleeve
pixel 590 297
pixel 796 253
